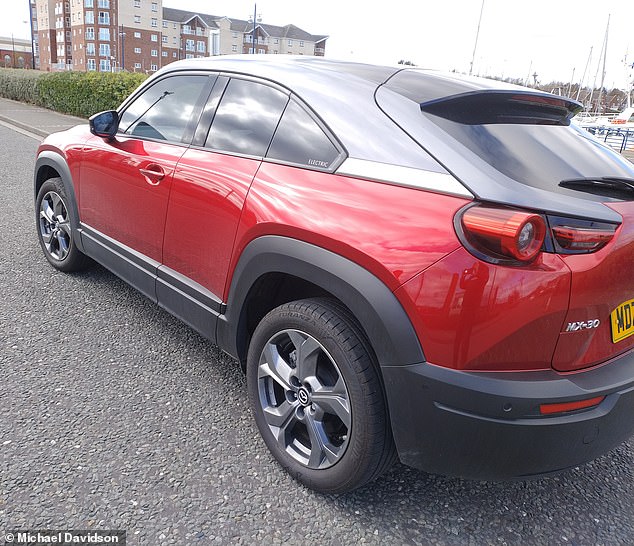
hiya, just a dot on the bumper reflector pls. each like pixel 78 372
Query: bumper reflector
pixel 563 407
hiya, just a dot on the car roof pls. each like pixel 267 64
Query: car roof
pixel 342 94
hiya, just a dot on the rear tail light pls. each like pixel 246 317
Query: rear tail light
pixel 582 239
pixel 510 236
pixel 500 234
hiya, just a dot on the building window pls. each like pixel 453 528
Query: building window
pixel 261 51
pixel 89 4
pixel 174 54
pixel 154 53
pixel 104 4
pixel 290 43
pixel 104 34
pixel 154 6
pixel 104 65
pixel 189 45
pixel 154 67
pixel 301 43
pixel 104 18
pixel 235 34
pixel 104 50
pixel 187 29
pixel 90 49
pixel 154 23
pixel 90 33
pixel 164 24
pixel 137 34
pixel 137 66
pixel 200 47
pixel 164 53
pixel 234 48
pixel 154 37
pixel 137 50
pixel 137 3
pixel 91 64
pixel 90 18
pixel 164 39
pixel 137 19
pixel 276 41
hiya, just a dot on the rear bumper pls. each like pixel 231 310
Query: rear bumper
pixel 488 425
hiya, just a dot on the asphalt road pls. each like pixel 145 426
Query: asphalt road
pixel 114 415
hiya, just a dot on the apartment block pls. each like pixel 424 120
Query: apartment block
pixel 143 36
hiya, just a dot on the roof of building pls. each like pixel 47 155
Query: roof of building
pixel 291 32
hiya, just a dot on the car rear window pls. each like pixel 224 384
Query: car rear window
pixel 536 155
pixel 524 135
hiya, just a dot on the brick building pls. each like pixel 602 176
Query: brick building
pixel 15 53
pixel 143 36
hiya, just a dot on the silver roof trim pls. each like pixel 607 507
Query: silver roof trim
pixel 403 176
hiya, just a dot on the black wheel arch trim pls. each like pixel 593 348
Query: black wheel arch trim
pixel 377 309
pixel 55 161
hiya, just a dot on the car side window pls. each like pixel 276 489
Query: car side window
pixel 246 118
pixel 301 141
pixel 164 110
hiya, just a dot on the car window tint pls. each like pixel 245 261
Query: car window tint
pixel 246 118
pixel 164 110
pixel 300 140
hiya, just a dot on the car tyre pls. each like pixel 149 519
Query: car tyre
pixel 54 228
pixel 317 397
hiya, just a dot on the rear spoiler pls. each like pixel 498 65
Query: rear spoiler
pixel 496 106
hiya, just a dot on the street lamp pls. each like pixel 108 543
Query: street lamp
pixel 30 23
pixel 255 21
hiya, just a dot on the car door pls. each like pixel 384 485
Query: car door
pixel 126 182
pixel 209 189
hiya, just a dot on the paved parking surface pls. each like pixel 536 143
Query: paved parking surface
pixel 115 415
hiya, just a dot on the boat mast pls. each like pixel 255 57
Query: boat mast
pixel 475 45
pixel 583 78
pixel 605 55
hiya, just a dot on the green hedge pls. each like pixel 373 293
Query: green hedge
pixel 80 94
pixel 20 85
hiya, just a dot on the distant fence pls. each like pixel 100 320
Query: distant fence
pixel 618 139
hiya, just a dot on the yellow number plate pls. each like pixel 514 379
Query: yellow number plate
pixel 622 319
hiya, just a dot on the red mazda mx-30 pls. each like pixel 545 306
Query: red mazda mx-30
pixel 407 264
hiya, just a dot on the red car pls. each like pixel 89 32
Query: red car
pixel 406 263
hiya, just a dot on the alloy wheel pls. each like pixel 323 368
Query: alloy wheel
pixel 54 226
pixel 304 399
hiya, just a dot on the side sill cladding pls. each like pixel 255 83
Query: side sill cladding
pixel 51 160
pixel 376 308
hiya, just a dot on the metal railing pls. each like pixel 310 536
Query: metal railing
pixel 618 139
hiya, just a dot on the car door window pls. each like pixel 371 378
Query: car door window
pixel 164 110
pixel 300 140
pixel 246 118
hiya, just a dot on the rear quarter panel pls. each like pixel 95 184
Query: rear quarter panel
pixel 392 231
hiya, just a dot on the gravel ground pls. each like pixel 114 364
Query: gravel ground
pixel 117 416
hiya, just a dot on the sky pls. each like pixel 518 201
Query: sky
pixel 549 38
